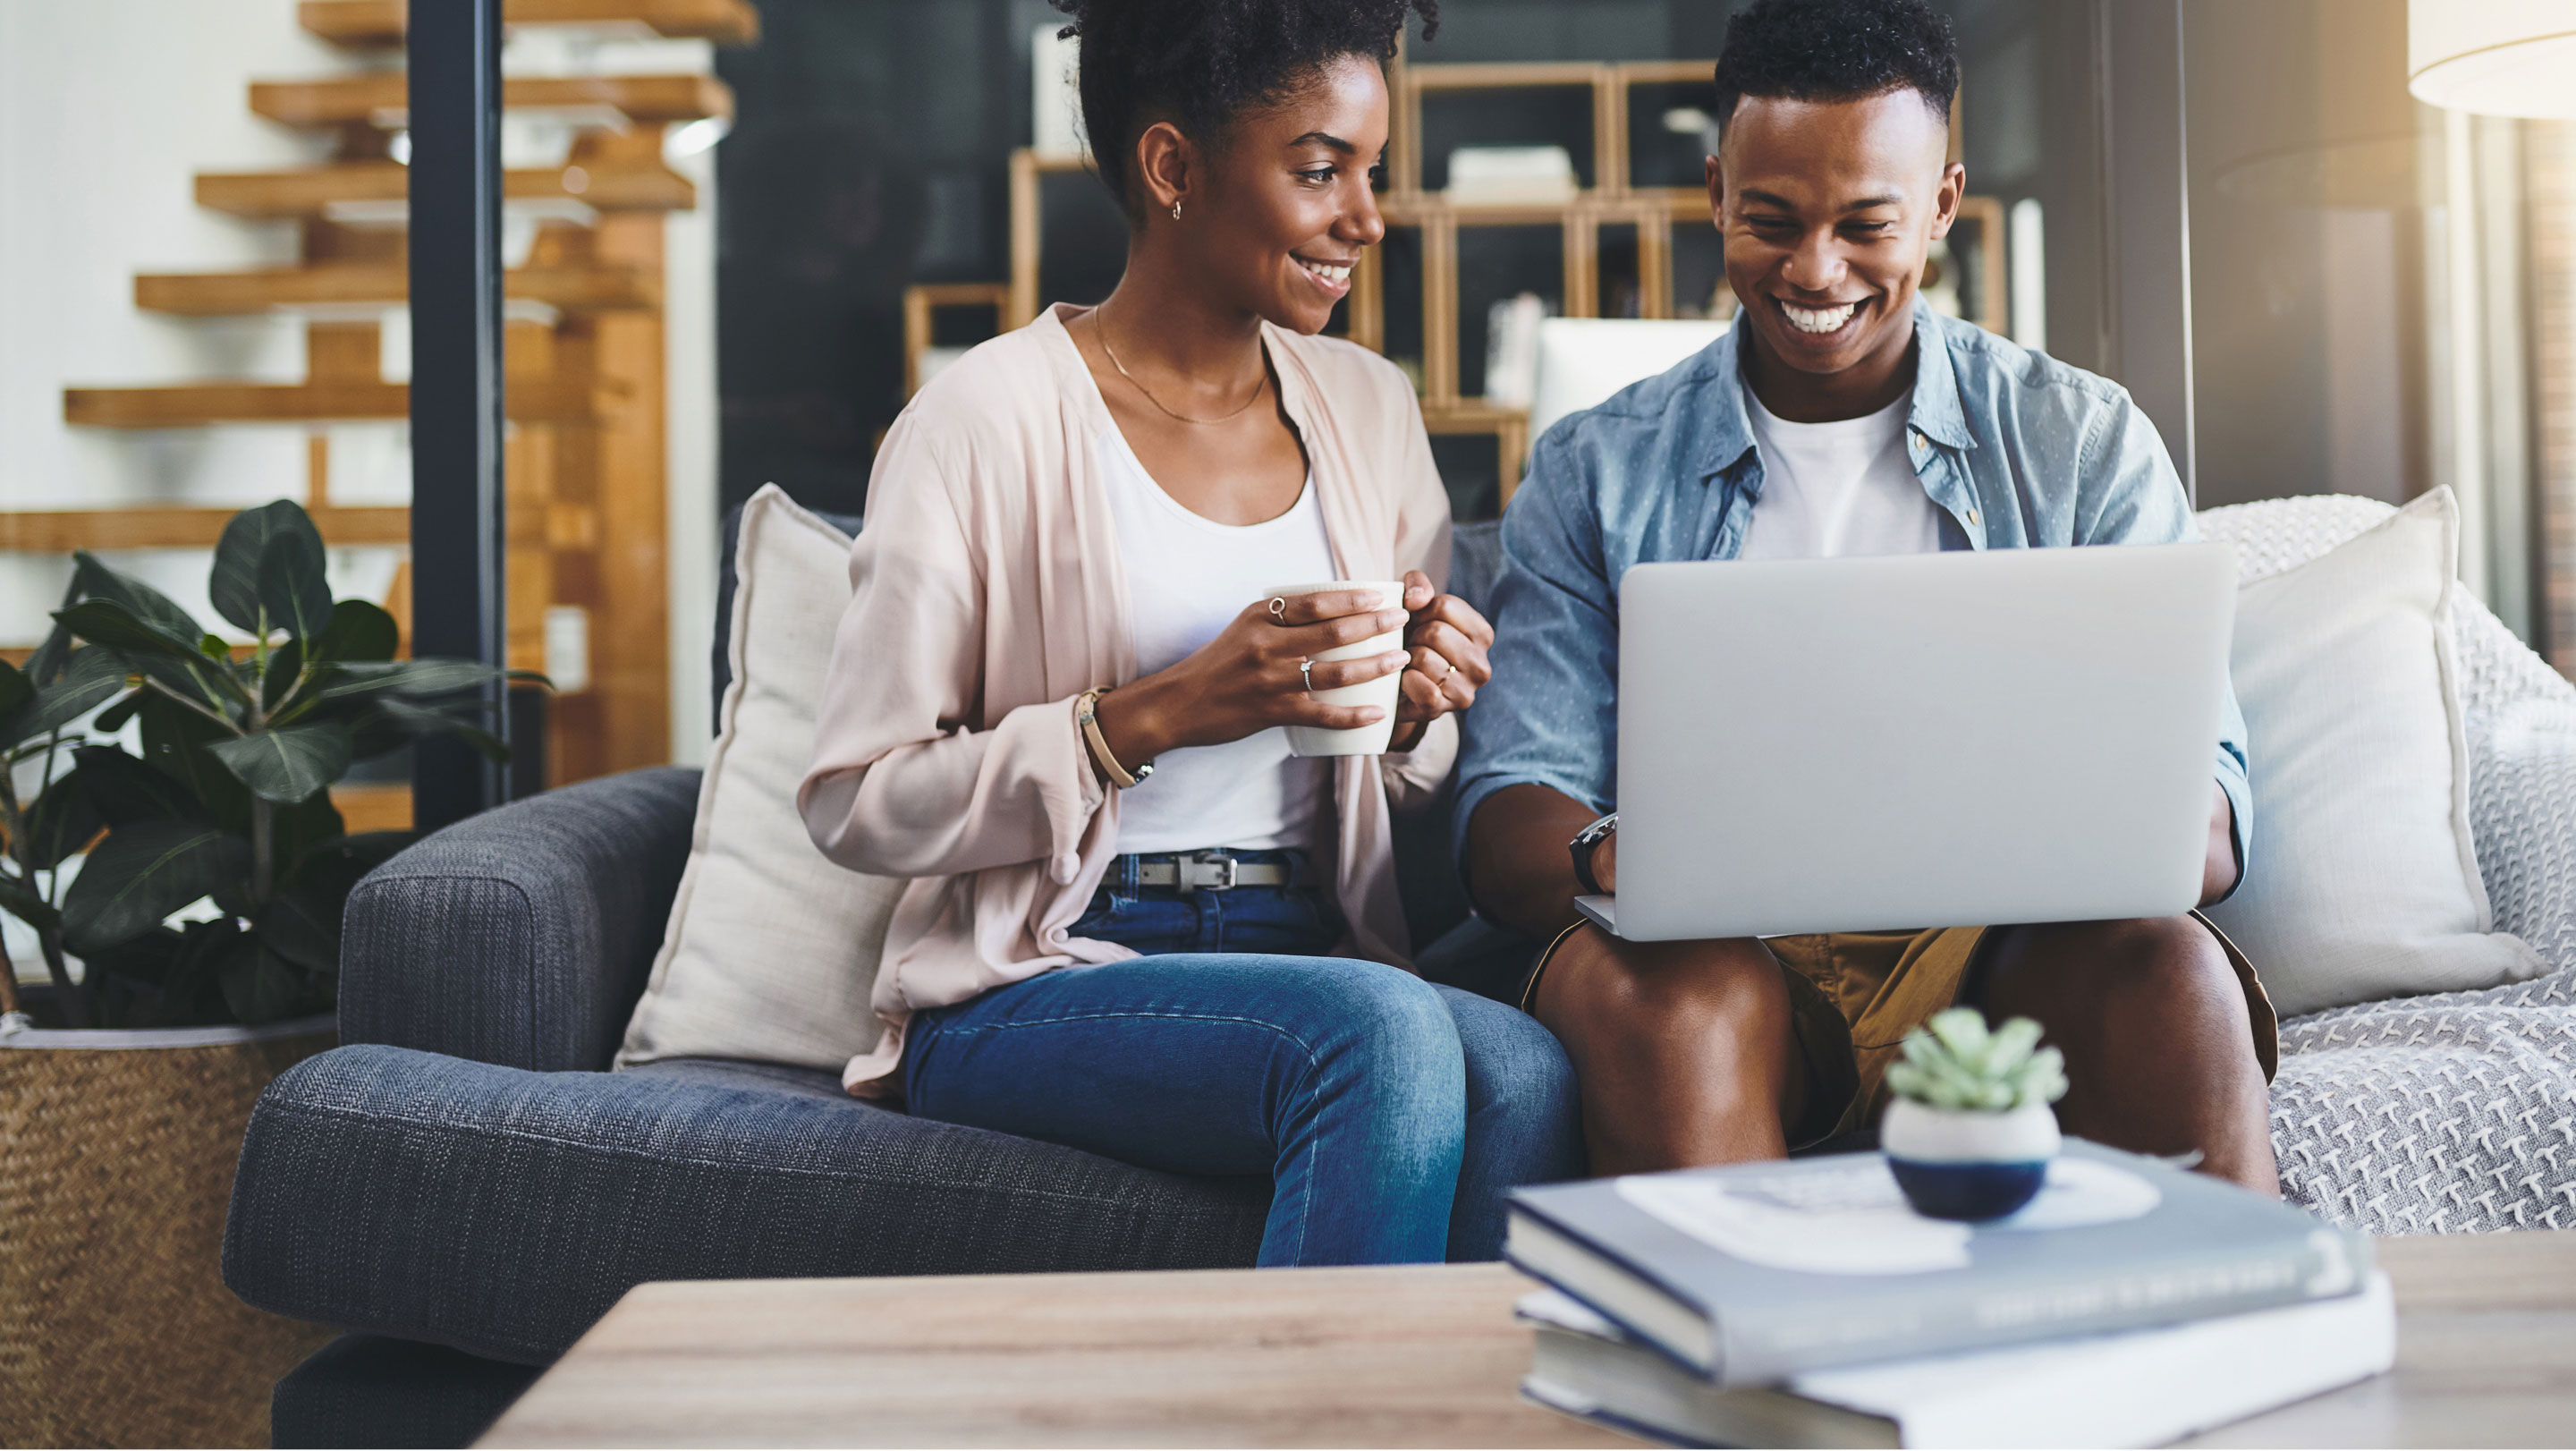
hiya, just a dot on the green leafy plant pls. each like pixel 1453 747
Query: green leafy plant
pixel 228 801
pixel 1953 1062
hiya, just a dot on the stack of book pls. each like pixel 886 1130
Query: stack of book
pixel 1804 1304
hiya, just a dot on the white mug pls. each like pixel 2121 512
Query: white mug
pixel 1383 692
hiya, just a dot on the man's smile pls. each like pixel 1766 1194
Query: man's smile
pixel 1819 322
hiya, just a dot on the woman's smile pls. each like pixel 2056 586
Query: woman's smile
pixel 1333 277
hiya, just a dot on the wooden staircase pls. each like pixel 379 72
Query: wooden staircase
pixel 584 350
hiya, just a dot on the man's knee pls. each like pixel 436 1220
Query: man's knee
pixel 2139 959
pixel 1610 992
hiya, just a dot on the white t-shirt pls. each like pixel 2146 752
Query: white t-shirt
pixel 1836 489
pixel 1187 578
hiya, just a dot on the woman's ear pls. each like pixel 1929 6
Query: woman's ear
pixel 1165 166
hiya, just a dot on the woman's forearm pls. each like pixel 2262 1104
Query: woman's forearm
pixel 1023 791
pixel 1138 720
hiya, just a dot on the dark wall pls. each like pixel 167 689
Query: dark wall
pixel 874 137
pixel 869 154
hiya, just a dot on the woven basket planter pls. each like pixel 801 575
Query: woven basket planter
pixel 117 1152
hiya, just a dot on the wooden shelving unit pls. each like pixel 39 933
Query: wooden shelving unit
pixel 920 304
pixel 585 391
pixel 1655 214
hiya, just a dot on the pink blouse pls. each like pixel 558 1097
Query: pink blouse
pixel 989 594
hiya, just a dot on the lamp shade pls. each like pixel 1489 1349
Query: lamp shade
pixel 2494 57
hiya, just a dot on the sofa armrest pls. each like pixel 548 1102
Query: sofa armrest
pixel 521 936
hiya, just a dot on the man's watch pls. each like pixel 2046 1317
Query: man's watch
pixel 1587 841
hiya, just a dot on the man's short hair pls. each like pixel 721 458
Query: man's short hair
pixel 1837 50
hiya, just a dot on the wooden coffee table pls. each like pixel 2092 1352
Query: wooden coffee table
pixel 1410 1356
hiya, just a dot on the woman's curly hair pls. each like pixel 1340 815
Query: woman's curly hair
pixel 1201 63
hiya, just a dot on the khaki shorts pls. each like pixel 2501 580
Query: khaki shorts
pixel 1853 996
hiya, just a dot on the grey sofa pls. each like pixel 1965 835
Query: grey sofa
pixel 464 1189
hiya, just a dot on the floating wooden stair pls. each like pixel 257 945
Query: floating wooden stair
pixel 383 98
pixel 373 24
pixel 61 531
pixel 343 384
pixel 325 191
pixel 321 288
pixel 193 405
pixel 373 807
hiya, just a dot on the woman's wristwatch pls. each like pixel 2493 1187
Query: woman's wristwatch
pixel 1086 712
pixel 1585 843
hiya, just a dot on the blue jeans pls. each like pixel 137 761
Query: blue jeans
pixel 1391 1115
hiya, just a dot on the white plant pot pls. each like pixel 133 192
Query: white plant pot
pixel 1968 1164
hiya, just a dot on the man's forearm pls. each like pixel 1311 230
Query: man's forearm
pixel 1519 873
pixel 2219 867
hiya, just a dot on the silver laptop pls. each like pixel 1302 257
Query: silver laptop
pixel 1930 740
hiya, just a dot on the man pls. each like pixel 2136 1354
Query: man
pixel 1835 417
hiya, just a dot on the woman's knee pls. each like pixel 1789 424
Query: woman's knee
pixel 1511 1057
pixel 1382 1022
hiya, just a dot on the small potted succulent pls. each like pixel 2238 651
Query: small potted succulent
pixel 1969 1134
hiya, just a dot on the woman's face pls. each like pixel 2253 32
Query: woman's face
pixel 1278 219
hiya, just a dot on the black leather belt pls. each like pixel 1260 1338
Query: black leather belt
pixel 1213 871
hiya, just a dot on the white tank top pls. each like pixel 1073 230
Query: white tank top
pixel 1187 578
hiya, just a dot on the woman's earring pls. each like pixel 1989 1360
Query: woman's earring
pixel 1176 211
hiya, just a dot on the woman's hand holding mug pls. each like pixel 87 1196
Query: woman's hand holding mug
pixel 1265 669
pixel 1446 660
pixel 1249 678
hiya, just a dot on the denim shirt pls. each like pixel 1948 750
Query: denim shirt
pixel 2016 449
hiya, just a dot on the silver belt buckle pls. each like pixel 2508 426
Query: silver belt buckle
pixel 1225 876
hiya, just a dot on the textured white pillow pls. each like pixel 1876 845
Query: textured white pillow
pixel 772 950
pixel 2363 882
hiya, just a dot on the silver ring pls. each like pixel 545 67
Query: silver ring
pixel 1279 609
pixel 1306 673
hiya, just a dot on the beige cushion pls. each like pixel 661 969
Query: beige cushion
pixel 2363 880
pixel 771 950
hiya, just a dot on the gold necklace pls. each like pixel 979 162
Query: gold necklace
pixel 1101 332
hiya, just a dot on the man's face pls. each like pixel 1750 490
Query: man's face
pixel 1827 210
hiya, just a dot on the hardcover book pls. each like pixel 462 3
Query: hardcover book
pixel 1750 1273
pixel 2132 1388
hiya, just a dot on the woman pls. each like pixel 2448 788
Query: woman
pixel 1135 924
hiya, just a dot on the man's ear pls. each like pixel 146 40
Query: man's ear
pixel 1164 166
pixel 1716 173
pixel 1946 198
